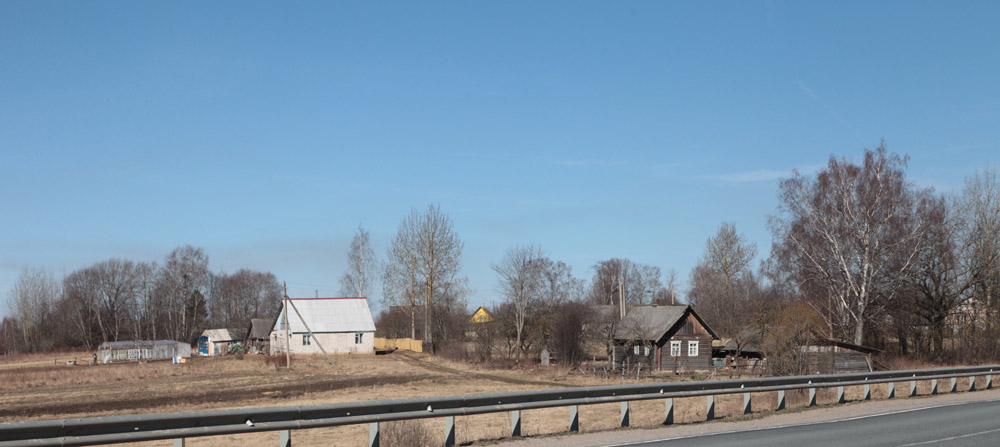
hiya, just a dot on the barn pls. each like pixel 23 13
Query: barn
pixel 340 325
pixel 665 337
pixel 833 356
pixel 124 351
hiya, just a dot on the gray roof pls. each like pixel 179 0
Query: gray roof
pixel 649 322
pixel 260 328
pixel 329 315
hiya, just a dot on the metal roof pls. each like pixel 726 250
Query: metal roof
pixel 329 315
pixel 216 335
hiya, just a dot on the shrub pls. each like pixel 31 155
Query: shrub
pixel 406 434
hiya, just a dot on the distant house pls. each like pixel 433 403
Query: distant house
pixel 665 337
pixel 124 351
pixel 481 315
pixel 215 342
pixel 340 325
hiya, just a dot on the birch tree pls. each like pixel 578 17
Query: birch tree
pixel 521 283
pixel 849 235
pixel 361 266
pixel 31 301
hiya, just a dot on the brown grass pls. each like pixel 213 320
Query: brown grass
pixel 34 387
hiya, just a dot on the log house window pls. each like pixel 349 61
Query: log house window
pixel 675 349
pixel 692 349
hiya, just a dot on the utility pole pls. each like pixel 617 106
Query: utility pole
pixel 288 356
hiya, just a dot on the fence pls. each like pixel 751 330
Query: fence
pixel 177 426
pixel 406 344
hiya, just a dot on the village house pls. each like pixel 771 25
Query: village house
pixel 665 337
pixel 340 325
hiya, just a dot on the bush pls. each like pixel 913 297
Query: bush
pixel 406 434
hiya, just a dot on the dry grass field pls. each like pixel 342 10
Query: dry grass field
pixel 45 387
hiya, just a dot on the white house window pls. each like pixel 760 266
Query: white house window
pixel 306 339
pixel 692 349
pixel 635 349
pixel 675 349
pixel 359 338
pixel 645 350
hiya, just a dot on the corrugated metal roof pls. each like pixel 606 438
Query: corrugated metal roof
pixel 329 315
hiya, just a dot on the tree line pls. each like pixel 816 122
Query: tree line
pixel 120 299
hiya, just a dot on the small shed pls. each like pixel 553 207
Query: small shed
pixel 124 351
pixel 214 342
pixel 258 340
pixel 665 337
pixel 833 356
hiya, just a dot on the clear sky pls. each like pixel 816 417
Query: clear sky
pixel 266 132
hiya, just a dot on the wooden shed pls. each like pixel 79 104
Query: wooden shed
pixel 665 337
pixel 832 356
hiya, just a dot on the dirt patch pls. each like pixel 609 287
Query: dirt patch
pixel 475 375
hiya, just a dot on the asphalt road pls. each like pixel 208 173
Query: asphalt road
pixel 951 425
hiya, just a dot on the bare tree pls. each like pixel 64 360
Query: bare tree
pixel 979 208
pixel 713 280
pixel 423 261
pixel 242 296
pixel 848 236
pixel 520 282
pixel 181 289
pixel 618 279
pixel 361 266
pixel 31 301
pixel 399 273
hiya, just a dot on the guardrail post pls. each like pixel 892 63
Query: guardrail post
pixel 954 385
pixel 812 397
pixel 892 390
pixel 449 431
pixel 669 417
pixel 624 419
pixel 840 395
pixel 374 435
pixel 989 380
pixel 179 442
pixel 747 406
pixel 913 388
pixel 933 386
pixel 709 407
pixel 781 400
pixel 515 423
pixel 972 383
pixel 868 392
pixel 574 418
pixel 285 438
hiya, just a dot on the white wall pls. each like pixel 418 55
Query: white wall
pixel 334 343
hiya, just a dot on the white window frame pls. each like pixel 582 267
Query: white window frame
pixel 675 349
pixel 306 339
pixel 692 349
pixel 359 338
pixel 635 349
pixel 645 351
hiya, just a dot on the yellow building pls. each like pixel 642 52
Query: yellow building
pixel 481 315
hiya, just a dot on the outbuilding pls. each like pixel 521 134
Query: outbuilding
pixel 215 342
pixel 340 325
pixel 124 351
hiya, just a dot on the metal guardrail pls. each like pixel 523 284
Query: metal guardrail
pixel 180 425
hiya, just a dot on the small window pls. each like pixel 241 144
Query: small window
pixel 675 349
pixel 692 349
pixel 645 351
pixel 359 338
pixel 635 350
pixel 306 339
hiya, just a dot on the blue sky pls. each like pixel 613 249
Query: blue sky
pixel 265 133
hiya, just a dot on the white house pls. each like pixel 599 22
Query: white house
pixel 341 325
